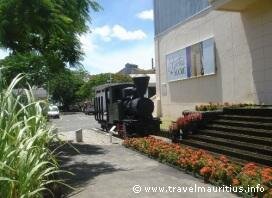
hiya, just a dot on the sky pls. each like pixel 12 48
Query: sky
pixel 121 33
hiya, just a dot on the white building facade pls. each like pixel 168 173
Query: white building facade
pixel 212 51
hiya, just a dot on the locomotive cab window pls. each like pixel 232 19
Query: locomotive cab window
pixel 116 94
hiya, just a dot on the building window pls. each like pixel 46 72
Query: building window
pixel 192 61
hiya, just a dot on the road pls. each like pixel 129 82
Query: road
pixel 74 121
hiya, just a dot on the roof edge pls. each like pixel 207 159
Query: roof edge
pixel 196 15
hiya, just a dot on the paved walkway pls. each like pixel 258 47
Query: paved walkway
pixel 104 170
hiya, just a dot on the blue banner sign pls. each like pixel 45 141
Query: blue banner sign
pixel 192 61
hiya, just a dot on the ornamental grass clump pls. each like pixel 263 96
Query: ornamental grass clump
pixel 27 166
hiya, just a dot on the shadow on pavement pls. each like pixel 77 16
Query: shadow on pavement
pixel 70 112
pixel 72 149
pixel 85 172
pixel 73 158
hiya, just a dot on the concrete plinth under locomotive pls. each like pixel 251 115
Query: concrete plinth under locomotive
pixel 124 106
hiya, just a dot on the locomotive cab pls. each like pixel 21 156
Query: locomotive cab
pixel 106 102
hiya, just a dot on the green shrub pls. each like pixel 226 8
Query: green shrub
pixel 216 106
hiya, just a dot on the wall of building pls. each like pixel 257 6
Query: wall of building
pixel 243 59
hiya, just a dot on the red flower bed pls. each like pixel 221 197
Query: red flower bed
pixel 186 120
pixel 215 170
pixel 187 123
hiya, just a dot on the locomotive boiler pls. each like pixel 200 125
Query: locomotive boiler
pixel 125 106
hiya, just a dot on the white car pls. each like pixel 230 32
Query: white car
pixel 53 112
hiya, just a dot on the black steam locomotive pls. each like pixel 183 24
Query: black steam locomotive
pixel 125 106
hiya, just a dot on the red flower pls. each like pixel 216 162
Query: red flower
pixel 205 171
pixel 251 169
pixel 187 119
pixel 235 182
pixel 224 159
pixel 250 166
pixel 266 174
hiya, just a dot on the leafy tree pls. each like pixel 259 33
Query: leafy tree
pixel 64 87
pixel 43 33
pixel 34 67
pixel 87 90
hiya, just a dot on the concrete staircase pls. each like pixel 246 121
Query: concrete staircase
pixel 245 134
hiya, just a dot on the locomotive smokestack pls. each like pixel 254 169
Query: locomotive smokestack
pixel 141 84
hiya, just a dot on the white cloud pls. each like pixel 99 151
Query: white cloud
pixel 122 34
pixel 104 32
pixel 87 43
pixel 113 62
pixel 146 15
pixel 97 61
pixel 117 31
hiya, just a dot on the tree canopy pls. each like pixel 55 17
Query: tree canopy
pixel 64 87
pixel 34 67
pixel 43 38
pixel 45 32
pixel 86 91
pixel 71 87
